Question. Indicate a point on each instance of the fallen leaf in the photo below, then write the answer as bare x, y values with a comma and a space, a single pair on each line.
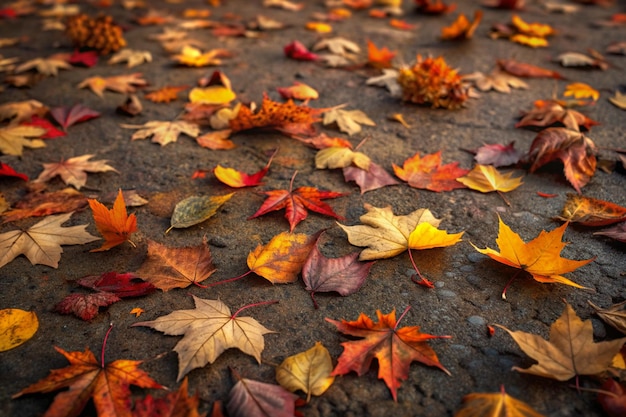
19, 111
130, 107
498, 155
69, 116
617, 48
168, 268
296, 202
575, 150
51, 130
85, 306
18, 327
504, 4
348, 121
298, 91
132, 57
462, 28
165, 94
615, 315
308, 371
434, 6
123, 84
570, 351
394, 348
497, 80
216, 140
107, 384
174, 404
389, 80
41, 243
540, 257
122, 285
115, 225
319, 27
612, 398
196, 209
14, 138
540, 30
589, 211
284, 4
163, 132
137, 311
322, 141
618, 100
296, 50
428, 173
49, 66
548, 112
249, 398
497, 404
344, 275
486, 178
374, 178
74, 170
212, 95
522, 69
39, 203
7, 171
617, 232
208, 331
379, 58
338, 46
237, 179
340, 157
576, 59
87, 58
581, 90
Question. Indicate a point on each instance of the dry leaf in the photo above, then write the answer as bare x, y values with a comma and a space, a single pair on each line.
18, 327
427, 173
13, 139
615, 315
618, 100
74, 170
308, 371
497, 404
348, 121
132, 57
47, 66
496, 80
163, 132
485, 178
591, 211
581, 90
39, 203
115, 225
374, 178
123, 84
165, 94
194, 57
340, 157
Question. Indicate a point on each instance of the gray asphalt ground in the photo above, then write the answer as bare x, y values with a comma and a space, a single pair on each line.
466, 297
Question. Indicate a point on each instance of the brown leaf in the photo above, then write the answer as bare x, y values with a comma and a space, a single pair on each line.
74, 170
615, 315
39, 203
85, 306
591, 211
123, 84
548, 112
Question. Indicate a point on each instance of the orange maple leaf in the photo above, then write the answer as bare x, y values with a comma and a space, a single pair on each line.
540, 257
427, 173
108, 385
114, 225
394, 348
462, 28
379, 58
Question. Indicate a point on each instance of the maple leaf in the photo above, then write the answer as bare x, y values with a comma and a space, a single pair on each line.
47, 66
540, 257
85, 306
163, 132
344, 275
340, 157
348, 121
174, 404
7, 171
497, 80
14, 138
379, 58
591, 211
122, 285
462, 28
498, 155
338, 46
39, 203
194, 57
74, 170
41, 243
51, 130
19, 326
428, 173
575, 150
394, 348
114, 225
308, 371
296, 202
570, 351
19, 111
165, 94
108, 385
522, 69
69, 116
168, 268
121, 83
374, 178
208, 331
549, 112
497, 404
485, 178
253, 398
581, 90
389, 80
132, 57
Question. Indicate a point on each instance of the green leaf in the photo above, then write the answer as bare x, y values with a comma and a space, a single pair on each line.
196, 209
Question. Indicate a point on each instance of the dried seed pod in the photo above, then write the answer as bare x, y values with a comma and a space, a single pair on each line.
101, 33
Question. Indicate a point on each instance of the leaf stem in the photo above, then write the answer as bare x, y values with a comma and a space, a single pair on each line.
227, 280
314, 300
423, 280
406, 310
506, 287
508, 203
293, 177
104, 344
252, 305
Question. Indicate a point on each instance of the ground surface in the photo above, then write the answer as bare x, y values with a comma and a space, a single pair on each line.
467, 289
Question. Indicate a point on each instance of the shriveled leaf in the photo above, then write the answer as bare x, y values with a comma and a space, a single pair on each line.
249, 398
344, 275
462, 28
115, 225
39, 203
168, 268
591, 211
296, 50
308, 371
374, 178
496, 404
209, 329
575, 150
196, 209
394, 348
615, 315
428, 173
132, 57
548, 112
14, 138
341, 157
282, 259
69, 116
618, 100
570, 351
540, 257
85, 306
348, 121
498, 155
163, 132
18, 327
74, 170
41, 243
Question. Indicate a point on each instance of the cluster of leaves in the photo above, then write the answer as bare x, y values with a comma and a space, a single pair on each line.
210, 328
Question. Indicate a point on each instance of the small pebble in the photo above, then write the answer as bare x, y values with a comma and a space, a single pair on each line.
467, 268
439, 284
477, 320
476, 257
474, 280
446, 293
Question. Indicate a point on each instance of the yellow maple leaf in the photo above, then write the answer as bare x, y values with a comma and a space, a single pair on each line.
485, 178
581, 90
495, 404
540, 257
194, 57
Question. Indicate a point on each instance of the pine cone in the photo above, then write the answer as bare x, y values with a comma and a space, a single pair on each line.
100, 33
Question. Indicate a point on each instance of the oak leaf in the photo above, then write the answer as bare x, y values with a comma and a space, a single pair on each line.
115, 225
208, 330
41, 243
39, 203
168, 268
497, 404
19, 326
165, 94
108, 385
74, 170
570, 351
132, 57
591, 211
427, 173
372, 179
124, 84
348, 121
174, 404
308, 371
49, 66
296, 202
14, 138
540, 257
575, 150
394, 348
69, 116
196, 209
250, 398
163, 132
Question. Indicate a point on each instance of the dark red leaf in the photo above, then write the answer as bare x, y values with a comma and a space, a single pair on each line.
85, 306
51, 130
122, 285
8, 171
68, 116
88, 58
296, 50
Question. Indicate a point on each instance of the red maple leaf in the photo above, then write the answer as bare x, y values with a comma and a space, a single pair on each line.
296, 202
68, 116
